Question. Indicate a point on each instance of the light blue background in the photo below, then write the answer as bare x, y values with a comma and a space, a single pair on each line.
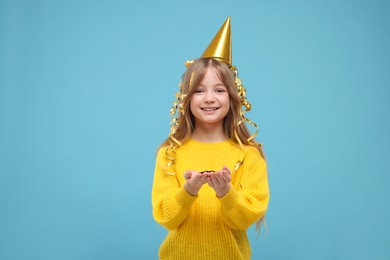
85, 92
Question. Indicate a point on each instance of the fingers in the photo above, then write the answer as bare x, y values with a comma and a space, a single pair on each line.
226, 174
187, 175
195, 178
219, 178
202, 178
225, 168
194, 181
214, 179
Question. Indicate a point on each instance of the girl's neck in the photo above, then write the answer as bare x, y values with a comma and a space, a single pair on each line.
208, 134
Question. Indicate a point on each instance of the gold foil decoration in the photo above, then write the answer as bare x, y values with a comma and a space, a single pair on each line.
188, 63
175, 111
245, 107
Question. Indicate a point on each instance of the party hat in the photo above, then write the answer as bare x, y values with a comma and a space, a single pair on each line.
220, 47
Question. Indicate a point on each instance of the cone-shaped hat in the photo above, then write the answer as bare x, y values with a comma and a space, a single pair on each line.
220, 47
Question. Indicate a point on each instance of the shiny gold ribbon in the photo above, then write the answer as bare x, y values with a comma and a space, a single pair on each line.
175, 111
246, 107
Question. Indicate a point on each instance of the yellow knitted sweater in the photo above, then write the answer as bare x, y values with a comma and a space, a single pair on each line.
205, 226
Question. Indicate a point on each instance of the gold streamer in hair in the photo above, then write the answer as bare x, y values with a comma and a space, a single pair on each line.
245, 107
176, 109
175, 112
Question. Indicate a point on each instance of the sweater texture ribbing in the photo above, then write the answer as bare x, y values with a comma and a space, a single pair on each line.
205, 226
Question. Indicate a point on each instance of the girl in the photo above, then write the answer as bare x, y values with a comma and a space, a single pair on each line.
210, 181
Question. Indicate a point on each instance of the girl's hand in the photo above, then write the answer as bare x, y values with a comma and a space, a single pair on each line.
195, 181
220, 181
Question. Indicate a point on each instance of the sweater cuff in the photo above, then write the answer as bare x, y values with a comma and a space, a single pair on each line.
184, 199
230, 199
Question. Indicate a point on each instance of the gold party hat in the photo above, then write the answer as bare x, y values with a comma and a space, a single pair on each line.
220, 47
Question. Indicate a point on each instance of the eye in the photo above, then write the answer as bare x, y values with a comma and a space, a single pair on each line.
199, 90
220, 90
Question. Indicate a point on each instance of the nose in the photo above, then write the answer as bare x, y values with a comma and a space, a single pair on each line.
209, 98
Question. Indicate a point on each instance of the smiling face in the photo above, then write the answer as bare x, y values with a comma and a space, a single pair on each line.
209, 103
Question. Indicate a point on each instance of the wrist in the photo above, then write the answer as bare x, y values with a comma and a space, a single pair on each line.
192, 190
223, 191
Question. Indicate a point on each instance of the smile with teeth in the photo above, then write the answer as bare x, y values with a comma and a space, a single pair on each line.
209, 108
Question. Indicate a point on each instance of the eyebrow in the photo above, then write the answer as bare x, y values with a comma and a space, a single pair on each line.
216, 85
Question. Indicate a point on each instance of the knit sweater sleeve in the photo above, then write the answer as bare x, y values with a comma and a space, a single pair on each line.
171, 202
248, 201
